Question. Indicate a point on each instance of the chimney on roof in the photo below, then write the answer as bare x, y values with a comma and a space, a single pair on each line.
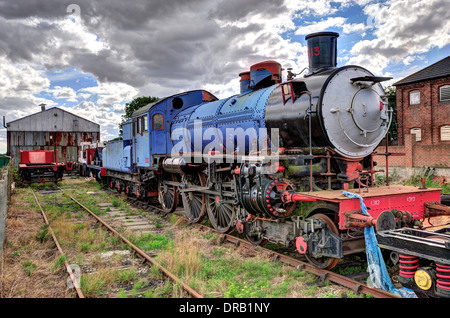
42, 107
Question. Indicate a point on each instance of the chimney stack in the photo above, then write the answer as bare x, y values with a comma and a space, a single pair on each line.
42, 107
322, 50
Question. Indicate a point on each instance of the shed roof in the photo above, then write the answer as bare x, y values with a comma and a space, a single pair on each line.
436, 70
53, 119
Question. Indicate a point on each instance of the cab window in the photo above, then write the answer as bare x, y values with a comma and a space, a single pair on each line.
158, 122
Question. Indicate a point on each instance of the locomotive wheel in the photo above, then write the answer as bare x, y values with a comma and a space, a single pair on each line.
221, 212
324, 262
256, 240
168, 195
194, 202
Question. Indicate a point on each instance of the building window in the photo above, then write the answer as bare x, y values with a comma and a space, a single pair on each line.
144, 123
158, 122
417, 132
444, 93
138, 125
445, 133
414, 97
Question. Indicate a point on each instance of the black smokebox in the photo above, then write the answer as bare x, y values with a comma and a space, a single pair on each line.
322, 50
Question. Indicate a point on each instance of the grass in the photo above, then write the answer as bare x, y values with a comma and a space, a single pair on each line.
127, 276
43, 233
416, 180
59, 262
29, 267
223, 272
150, 241
29, 254
94, 285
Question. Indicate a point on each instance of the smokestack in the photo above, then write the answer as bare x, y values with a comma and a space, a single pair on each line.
244, 82
42, 107
322, 50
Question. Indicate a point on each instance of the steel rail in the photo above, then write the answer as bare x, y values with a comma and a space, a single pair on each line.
347, 282
141, 253
66, 264
357, 287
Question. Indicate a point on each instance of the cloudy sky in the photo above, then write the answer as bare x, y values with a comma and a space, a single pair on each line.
90, 57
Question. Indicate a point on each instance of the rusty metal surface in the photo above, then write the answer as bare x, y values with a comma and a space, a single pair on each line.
50, 129
336, 196
66, 143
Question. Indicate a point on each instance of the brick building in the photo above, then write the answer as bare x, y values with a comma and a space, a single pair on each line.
423, 116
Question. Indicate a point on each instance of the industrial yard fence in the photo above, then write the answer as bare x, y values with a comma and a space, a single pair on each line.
5, 201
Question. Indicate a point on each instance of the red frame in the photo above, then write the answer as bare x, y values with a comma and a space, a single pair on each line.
153, 121
411, 200
36, 156
291, 86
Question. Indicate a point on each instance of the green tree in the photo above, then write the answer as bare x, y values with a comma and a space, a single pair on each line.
392, 104
134, 105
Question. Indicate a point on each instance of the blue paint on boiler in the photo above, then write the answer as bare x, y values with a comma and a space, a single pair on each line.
222, 118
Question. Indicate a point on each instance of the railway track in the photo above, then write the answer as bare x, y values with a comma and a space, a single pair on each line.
66, 264
352, 284
141, 253
348, 283
146, 258
355, 286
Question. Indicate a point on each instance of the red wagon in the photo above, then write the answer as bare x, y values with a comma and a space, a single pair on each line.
39, 166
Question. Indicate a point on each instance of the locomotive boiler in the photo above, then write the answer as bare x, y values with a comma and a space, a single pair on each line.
271, 162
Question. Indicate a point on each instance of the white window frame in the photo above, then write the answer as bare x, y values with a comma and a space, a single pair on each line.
447, 88
444, 135
416, 100
416, 131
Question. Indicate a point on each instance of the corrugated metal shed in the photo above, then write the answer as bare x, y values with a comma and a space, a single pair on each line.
51, 129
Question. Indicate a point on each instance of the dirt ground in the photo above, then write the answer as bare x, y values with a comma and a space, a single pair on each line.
27, 269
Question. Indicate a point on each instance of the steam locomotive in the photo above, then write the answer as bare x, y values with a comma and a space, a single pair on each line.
271, 162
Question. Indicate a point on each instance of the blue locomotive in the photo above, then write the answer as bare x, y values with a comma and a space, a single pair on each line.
240, 158
269, 161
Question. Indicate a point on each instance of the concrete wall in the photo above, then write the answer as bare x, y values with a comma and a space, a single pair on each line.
5, 201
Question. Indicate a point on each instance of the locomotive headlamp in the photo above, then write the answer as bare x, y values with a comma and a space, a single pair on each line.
423, 278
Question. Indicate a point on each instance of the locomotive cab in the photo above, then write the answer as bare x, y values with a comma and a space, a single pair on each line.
151, 139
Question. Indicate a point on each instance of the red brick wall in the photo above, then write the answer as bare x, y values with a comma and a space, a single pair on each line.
429, 115
417, 154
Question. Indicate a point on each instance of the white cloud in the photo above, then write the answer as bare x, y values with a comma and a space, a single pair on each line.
401, 29
159, 48
67, 93
111, 93
321, 25
20, 80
